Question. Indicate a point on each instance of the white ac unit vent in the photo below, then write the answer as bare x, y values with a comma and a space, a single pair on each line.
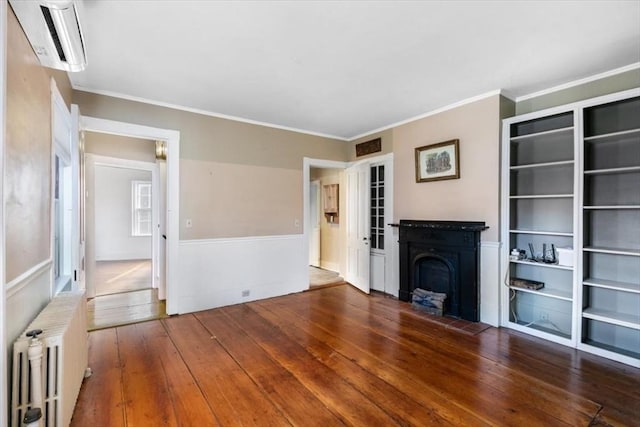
53, 29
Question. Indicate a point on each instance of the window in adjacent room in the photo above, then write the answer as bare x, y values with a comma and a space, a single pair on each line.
141, 208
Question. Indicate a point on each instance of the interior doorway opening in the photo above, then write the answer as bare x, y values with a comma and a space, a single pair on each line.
356, 220
122, 229
170, 171
124, 202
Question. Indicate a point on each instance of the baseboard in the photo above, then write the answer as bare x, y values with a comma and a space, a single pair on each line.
331, 266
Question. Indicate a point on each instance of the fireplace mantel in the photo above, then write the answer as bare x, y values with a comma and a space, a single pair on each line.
426, 246
444, 225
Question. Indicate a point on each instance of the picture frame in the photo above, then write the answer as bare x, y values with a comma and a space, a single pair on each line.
436, 162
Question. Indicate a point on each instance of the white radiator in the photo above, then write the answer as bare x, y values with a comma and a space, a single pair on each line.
64, 360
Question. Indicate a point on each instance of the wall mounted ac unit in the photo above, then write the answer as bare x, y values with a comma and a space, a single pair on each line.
53, 29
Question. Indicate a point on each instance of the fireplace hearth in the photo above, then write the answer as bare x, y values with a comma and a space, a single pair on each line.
444, 257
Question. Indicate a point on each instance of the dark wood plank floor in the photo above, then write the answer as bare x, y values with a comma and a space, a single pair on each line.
338, 357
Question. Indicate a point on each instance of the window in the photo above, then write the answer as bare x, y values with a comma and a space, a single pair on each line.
141, 208
63, 176
377, 207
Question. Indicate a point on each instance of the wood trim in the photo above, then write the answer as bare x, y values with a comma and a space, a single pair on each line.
172, 137
27, 277
432, 113
579, 82
203, 112
237, 239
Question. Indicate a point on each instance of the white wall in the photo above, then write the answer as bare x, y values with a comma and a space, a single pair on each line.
113, 240
219, 272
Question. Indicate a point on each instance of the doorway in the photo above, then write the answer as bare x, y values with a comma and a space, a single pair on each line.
358, 198
326, 228
168, 233
122, 229
123, 226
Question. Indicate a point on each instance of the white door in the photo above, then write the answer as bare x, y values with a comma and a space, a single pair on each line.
161, 272
314, 223
358, 249
382, 239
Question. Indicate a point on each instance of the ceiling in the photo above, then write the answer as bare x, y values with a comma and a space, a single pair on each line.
344, 69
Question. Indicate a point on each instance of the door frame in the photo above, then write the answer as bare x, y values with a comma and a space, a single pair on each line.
316, 183
307, 164
69, 174
172, 138
391, 274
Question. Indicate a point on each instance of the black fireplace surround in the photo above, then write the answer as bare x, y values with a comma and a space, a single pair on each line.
442, 256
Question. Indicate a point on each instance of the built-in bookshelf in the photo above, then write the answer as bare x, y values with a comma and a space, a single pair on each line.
540, 156
610, 315
570, 187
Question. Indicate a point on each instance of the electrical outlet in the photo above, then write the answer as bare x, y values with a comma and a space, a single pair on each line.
246, 293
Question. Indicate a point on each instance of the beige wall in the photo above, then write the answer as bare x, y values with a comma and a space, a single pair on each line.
236, 179
332, 235
27, 180
473, 197
27, 153
214, 139
231, 200
121, 147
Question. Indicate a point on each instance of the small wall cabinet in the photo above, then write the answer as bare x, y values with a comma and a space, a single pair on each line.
331, 202
570, 179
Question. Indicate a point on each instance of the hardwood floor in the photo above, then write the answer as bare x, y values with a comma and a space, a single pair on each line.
107, 311
113, 277
319, 277
335, 356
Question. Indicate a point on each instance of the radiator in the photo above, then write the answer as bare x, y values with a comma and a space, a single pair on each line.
64, 360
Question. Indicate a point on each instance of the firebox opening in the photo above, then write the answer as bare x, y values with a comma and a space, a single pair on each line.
435, 274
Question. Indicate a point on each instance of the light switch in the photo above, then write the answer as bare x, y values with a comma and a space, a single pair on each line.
188, 223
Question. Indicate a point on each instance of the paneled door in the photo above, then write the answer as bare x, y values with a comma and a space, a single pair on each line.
358, 220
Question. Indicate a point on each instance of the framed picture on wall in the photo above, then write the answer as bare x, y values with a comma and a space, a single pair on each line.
439, 161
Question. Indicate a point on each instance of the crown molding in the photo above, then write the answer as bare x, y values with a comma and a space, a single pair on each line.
431, 113
579, 82
204, 112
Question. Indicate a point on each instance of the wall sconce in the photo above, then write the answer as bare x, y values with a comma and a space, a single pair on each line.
161, 150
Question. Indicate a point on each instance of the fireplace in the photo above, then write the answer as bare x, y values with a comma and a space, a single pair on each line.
443, 257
